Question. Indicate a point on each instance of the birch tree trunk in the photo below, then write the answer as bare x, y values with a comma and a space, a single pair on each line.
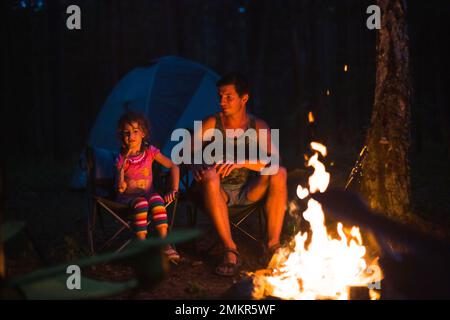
386, 181
2, 203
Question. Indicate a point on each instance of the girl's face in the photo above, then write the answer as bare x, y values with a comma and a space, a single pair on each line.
132, 135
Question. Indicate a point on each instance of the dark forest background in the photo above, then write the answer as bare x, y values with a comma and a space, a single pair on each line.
56, 80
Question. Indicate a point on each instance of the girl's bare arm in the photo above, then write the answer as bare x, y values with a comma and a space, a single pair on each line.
174, 175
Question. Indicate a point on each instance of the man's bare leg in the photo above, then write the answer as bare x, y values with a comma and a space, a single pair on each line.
215, 200
276, 189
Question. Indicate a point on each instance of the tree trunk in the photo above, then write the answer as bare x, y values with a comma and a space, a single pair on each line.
386, 182
2, 202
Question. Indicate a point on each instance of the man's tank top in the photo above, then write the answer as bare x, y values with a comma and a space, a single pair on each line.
241, 175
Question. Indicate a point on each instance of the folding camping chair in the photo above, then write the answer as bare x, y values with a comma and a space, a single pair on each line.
238, 216
100, 193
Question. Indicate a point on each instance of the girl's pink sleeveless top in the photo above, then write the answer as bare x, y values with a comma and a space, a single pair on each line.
138, 173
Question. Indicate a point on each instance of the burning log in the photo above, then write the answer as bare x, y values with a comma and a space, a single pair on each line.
244, 289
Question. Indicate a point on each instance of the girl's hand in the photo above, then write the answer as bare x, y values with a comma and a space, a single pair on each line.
122, 187
170, 196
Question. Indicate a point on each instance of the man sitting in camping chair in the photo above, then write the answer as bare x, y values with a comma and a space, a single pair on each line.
230, 183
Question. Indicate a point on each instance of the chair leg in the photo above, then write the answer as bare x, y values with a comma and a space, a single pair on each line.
101, 222
174, 211
244, 232
242, 217
106, 244
124, 245
90, 242
191, 216
262, 225
91, 227
191, 213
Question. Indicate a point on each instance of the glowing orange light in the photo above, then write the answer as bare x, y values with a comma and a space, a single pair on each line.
310, 117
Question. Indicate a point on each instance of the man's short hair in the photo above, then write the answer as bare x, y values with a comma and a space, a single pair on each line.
239, 80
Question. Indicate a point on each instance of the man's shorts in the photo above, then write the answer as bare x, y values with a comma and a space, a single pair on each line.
237, 194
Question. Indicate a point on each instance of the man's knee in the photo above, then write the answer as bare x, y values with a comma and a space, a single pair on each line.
210, 178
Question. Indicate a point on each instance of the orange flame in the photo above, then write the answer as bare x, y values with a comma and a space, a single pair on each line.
310, 117
327, 267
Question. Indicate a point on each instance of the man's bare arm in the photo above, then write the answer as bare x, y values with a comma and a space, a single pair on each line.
197, 169
264, 144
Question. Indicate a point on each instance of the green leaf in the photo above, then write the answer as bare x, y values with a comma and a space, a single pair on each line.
144, 256
9, 229
55, 288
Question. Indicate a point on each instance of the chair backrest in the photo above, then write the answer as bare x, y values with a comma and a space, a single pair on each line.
100, 171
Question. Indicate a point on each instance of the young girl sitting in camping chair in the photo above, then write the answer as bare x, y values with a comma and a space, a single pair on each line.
134, 184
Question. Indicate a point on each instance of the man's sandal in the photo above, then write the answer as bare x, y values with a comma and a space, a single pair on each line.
229, 269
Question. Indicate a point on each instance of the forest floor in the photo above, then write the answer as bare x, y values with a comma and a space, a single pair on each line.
38, 194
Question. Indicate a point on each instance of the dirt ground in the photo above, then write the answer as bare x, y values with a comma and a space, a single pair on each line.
192, 278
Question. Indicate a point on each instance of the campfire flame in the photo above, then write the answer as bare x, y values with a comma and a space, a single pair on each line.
316, 266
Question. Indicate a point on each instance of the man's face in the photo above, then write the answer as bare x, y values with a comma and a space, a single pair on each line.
230, 102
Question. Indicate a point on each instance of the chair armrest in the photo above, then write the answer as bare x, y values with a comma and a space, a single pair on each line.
104, 183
